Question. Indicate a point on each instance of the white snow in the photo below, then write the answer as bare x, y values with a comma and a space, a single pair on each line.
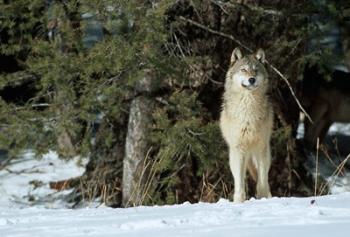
335, 128
342, 128
48, 217
17, 180
328, 216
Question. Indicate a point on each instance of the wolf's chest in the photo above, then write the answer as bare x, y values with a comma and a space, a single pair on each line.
248, 122
244, 122
247, 130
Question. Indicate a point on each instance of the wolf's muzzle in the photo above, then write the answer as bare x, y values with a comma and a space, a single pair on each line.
250, 84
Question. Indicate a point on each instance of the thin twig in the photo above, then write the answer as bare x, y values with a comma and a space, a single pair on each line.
199, 25
290, 89
246, 6
251, 7
325, 152
212, 188
179, 46
220, 5
317, 149
216, 82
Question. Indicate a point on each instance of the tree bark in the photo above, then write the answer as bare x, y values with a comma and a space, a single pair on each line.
136, 145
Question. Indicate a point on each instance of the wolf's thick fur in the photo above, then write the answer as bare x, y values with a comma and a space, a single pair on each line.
246, 122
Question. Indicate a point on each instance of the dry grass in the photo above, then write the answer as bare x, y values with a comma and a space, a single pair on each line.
336, 173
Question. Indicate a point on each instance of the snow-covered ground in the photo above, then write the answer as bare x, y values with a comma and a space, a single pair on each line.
25, 181
29, 208
336, 128
327, 216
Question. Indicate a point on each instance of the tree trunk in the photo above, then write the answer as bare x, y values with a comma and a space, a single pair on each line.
136, 148
136, 144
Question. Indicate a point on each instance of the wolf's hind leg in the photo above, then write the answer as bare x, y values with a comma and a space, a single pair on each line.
251, 167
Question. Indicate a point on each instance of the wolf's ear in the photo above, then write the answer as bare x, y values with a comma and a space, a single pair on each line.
260, 55
236, 55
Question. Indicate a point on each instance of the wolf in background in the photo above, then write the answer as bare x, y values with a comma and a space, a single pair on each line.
325, 101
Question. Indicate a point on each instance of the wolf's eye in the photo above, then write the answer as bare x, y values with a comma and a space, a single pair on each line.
243, 70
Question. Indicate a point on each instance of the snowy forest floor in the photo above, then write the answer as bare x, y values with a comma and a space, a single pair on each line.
29, 208
327, 216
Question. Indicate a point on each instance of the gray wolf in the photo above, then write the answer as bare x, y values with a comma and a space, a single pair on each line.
325, 101
246, 122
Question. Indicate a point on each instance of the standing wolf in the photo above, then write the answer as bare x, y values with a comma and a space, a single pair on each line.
246, 122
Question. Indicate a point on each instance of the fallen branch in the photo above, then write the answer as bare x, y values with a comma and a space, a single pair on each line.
199, 25
65, 184
5, 162
24, 171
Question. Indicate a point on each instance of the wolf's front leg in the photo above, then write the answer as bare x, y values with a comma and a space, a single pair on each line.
263, 163
238, 169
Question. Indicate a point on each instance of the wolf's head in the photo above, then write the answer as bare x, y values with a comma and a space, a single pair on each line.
247, 72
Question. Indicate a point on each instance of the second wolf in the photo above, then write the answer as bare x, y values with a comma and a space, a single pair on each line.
326, 102
246, 122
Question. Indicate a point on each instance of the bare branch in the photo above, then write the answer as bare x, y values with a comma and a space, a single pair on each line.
250, 7
291, 90
199, 25
6, 162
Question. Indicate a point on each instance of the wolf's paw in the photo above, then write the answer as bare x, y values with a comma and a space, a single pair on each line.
239, 197
263, 194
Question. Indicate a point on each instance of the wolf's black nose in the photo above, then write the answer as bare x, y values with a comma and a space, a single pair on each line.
252, 80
